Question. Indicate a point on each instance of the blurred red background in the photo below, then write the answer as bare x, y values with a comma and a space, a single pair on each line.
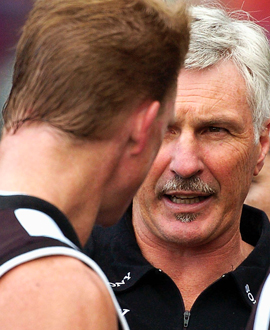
259, 9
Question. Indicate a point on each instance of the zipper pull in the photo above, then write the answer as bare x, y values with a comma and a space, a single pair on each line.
186, 318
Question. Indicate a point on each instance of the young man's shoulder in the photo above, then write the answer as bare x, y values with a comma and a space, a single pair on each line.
55, 293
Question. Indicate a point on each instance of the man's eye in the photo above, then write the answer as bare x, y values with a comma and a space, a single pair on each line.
215, 129
171, 130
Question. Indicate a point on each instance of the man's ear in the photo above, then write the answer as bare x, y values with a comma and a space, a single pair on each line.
144, 117
264, 144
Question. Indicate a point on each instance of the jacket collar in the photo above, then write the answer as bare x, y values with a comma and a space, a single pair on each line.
128, 266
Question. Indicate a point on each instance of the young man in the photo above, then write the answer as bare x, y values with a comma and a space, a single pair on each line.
93, 92
188, 255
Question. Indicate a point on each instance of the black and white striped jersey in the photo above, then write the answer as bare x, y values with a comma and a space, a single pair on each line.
32, 228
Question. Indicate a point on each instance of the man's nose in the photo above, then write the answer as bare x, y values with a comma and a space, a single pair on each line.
186, 160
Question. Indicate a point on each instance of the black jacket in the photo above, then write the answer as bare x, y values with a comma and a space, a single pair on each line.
151, 301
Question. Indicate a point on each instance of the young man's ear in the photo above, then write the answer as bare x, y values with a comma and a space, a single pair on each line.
143, 118
264, 144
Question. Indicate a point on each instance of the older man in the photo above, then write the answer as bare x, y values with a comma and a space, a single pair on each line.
258, 195
83, 123
188, 255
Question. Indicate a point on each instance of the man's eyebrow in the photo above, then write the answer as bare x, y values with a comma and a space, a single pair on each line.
222, 121
173, 122
219, 120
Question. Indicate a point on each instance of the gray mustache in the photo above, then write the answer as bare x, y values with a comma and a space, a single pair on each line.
194, 184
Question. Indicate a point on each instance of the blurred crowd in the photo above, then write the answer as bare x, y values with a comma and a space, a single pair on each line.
12, 16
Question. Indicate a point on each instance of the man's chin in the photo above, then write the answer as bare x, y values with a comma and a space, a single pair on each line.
186, 217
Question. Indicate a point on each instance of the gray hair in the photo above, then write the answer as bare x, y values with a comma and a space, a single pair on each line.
217, 35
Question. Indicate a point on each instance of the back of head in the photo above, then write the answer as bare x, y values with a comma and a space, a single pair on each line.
217, 35
80, 63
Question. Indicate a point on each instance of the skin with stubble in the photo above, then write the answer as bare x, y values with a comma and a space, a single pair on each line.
188, 210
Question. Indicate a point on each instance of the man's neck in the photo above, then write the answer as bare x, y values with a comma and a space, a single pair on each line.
67, 174
193, 269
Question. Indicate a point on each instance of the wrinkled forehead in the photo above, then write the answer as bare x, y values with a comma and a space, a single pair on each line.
211, 92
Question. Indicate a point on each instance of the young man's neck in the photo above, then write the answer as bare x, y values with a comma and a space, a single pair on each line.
70, 175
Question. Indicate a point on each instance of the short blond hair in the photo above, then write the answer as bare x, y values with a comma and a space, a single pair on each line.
81, 62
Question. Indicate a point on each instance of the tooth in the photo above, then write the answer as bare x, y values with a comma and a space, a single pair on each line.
185, 197
185, 200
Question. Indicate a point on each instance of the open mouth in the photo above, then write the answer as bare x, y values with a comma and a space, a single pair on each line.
181, 199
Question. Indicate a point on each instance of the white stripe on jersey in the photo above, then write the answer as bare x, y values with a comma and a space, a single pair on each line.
37, 223
65, 251
262, 316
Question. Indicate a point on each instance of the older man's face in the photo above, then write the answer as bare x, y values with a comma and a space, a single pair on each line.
258, 195
194, 192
